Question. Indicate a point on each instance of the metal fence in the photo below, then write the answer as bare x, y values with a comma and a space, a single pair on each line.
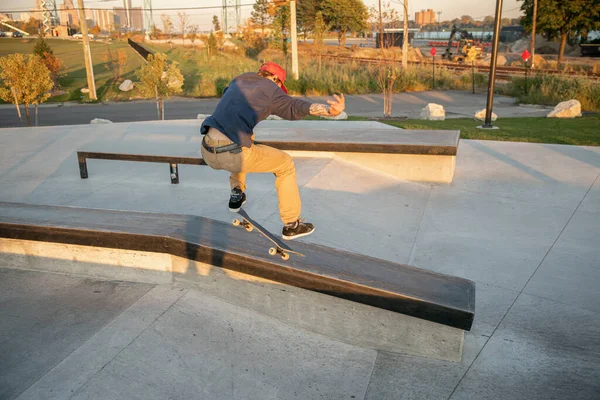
141, 50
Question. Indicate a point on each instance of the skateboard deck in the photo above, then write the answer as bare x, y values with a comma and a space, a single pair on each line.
280, 248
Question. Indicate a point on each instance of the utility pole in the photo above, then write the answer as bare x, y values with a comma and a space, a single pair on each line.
533, 33
380, 29
405, 37
87, 55
294, 33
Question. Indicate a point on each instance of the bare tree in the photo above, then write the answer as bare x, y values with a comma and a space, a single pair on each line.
193, 29
184, 19
167, 24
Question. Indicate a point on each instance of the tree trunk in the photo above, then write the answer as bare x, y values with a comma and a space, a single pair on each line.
27, 114
18, 108
342, 38
561, 50
36, 115
162, 109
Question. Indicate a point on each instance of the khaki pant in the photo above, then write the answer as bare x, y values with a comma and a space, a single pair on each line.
256, 159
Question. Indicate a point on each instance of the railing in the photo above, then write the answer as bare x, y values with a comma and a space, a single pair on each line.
141, 50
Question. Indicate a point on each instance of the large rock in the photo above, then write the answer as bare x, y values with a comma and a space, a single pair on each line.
480, 115
85, 90
433, 112
343, 115
126, 86
274, 117
566, 109
100, 121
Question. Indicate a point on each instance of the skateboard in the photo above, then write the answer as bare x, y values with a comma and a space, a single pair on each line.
280, 248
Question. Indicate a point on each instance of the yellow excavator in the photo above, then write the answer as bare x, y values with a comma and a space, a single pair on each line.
466, 48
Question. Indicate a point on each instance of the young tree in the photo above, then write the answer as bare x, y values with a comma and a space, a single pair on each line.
184, 19
281, 25
193, 33
41, 47
96, 30
319, 29
345, 16
216, 24
558, 18
27, 81
212, 44
260, 15
167, 24
160, 79
45, 52
115, 62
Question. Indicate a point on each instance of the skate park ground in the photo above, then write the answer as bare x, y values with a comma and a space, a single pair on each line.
521, 220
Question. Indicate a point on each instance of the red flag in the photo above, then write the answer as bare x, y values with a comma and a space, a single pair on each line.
433, 51
525, 55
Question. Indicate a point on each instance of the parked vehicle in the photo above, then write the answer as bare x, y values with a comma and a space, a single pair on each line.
17, 34
2, 34
80, 36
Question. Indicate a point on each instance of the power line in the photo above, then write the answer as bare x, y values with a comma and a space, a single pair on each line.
143, 9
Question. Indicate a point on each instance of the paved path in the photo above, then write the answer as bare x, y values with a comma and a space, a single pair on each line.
521, 220
457, 104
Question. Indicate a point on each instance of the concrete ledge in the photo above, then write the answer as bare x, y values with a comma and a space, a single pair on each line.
409, 167
353, 323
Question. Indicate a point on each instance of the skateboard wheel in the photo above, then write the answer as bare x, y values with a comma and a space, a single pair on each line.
249, 228
285, 256
272, 251
236, 222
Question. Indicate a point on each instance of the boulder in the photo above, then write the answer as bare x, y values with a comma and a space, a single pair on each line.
126, 86
100, 121
275, 117
85, 90
566, 109
480, 115
433, 112
343, 115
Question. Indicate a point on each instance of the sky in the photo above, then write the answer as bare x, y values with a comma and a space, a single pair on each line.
203, 17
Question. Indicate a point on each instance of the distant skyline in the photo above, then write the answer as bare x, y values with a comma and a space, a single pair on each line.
203, 18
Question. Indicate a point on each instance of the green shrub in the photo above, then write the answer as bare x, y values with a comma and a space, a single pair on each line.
552, 89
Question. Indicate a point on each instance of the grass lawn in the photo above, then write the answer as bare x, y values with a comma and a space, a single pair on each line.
73, 77
584, 131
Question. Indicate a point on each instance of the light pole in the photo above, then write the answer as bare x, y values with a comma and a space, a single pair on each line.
492, 78
405, 37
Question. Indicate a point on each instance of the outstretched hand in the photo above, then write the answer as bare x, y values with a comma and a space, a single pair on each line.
337, 105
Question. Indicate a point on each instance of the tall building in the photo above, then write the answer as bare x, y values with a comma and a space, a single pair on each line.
135, 14
425, 17
104, 19
69, 15
137, 18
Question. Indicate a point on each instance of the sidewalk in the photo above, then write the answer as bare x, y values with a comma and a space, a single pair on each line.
457, 105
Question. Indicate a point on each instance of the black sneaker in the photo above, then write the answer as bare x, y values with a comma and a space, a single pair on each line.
297, 229
236, 200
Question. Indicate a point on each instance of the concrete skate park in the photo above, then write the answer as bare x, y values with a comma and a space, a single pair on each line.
440, 268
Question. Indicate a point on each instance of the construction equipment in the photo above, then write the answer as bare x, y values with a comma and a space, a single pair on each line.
466, 48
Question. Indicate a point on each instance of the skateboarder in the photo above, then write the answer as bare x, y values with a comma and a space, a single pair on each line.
228, 139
